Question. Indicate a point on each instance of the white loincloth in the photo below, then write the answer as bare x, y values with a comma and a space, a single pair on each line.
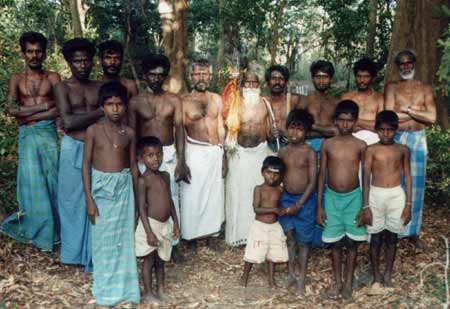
168, 165
202, 201
370, 138
244, 173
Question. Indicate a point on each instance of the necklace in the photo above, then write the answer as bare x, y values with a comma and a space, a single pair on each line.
121, 131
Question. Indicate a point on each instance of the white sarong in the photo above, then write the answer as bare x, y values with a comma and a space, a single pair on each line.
168, 165
370, 138
202, 201
244, 173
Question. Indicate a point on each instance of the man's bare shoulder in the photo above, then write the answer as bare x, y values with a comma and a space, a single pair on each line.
90, 131
296, 98
359, 142
53, 76
215, 97
349, 95
390, 86
137, 99
166, 176
130, 131
62, 85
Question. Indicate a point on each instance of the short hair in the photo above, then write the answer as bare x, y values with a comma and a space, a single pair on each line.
366, 64
32, 37
148, 141
277, 67
78, 44
300, 117
152, 61
347, 107
387, 117
202, 62
408, 52
112, 89
110, 45
275, 162
323, 66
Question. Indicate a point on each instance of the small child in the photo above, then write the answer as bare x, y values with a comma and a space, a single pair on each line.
109, 156
266, 240
298, 198
385, 212
340, 159
155, 231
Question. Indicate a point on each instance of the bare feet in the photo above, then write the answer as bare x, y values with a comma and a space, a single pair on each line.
150, 298
388, 280
347, 293
163, 297
377, 278
301, 288
376, 289
272, 284
243, 282
420, 246
334, 292
291, 280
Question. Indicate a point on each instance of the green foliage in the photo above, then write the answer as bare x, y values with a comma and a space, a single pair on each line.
438, 166
444, 68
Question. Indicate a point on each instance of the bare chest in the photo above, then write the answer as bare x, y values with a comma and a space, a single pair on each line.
83, 98
151, 108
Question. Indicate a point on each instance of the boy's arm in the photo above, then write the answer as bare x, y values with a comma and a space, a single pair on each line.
321, 217
91, 207
182, 171
366, 215
257, 204
151, 238
406, 214
134, 170
173, 212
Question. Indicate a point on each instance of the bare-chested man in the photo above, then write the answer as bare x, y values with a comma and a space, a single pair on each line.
245, 160
202, 201
370, 102
320, 104
31, 101
414, 104
78, 106
160, 114
111, 56
280, 102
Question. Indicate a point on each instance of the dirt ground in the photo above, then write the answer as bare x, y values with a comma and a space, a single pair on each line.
32, 279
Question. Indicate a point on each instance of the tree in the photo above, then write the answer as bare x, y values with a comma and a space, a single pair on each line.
78, 9
418, 25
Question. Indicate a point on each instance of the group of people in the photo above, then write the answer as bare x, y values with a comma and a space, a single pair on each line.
182, 165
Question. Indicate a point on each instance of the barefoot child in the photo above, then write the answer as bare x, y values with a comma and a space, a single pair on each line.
109, 162
341, 197
385, 212
266, 240
298, 198
155, 231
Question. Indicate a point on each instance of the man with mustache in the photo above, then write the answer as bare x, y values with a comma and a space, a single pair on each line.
320, 104
111, 57
77, 101
31, 101
245, 160
202, 200
414, 104
370, 102
280, 103
159, 113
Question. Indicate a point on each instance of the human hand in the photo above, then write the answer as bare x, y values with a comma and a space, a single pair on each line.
406, 215
182, 172
224, 167
92, 211
176, 232
275, 132
321, 217
152, 240
364, 217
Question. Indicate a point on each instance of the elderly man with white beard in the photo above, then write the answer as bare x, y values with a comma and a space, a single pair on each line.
414, 104
245, 159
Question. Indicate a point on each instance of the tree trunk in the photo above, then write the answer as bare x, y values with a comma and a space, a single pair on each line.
76, 22
417, 26
372, 28
276, 31
221, 50
173, 18
128, 33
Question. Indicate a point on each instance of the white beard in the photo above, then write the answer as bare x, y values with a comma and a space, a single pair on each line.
251, 96
408, 76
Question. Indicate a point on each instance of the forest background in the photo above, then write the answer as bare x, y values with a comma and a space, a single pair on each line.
290, 32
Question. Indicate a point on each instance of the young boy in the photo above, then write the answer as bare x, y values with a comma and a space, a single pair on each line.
155, 231
266, 240
298, 198
340, 159
109, 162
385, 211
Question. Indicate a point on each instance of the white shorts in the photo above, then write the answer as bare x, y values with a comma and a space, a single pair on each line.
266, 242
387, 205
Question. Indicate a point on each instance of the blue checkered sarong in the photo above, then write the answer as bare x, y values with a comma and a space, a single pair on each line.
36, 222
115, 268
417, 144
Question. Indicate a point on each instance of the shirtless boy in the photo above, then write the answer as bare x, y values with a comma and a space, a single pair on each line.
385, 212
109, 166
155, 231
266, 240
341, 198
298, 198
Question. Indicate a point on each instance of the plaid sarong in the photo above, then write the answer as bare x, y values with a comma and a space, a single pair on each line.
75, 226
36, 222
417, 144
115, 268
